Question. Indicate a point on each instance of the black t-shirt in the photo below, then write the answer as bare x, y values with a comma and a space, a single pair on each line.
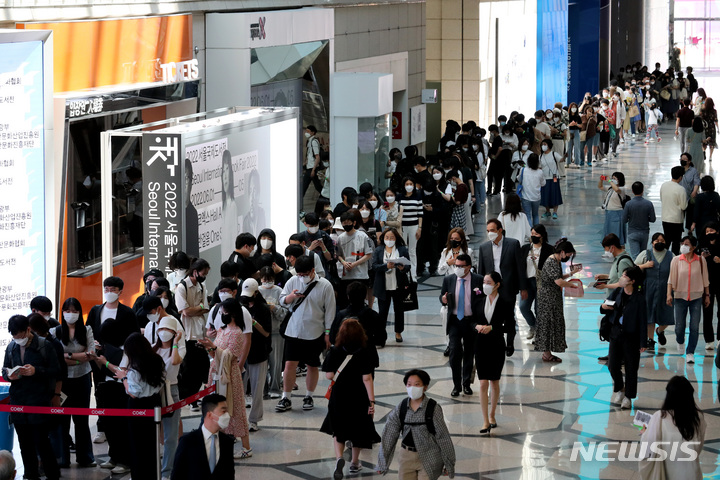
246, 267
423, 177
340, 208
686, 116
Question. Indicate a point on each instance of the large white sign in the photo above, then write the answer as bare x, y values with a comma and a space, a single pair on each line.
22, 180
418, 124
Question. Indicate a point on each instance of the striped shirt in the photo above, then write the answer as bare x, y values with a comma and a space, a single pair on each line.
412, 209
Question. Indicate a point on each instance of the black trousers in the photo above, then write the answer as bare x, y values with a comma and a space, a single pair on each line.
194, 369
429, 246
708, 332
142, 432
112, 395
34, 441
384, 309
307, 179
625, 348
462, 349
673, 233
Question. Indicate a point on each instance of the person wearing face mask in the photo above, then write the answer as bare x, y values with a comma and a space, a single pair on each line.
710, 250
550, 328
520, 157
354, 250
706, 208
514, 220
78, 347
43, 306
271, 293
618, 108
370, 225
532, 180
615, 199
156, 314
436, 226
457, 244
257, 359
228, 271
411, 213
674, 201
588, 131
421, 173
349, 199
550, 194
266, 244
190, 297
458, 195
390, 278
227, 288
535, 254
208, 451
312, 163
655, 261
638, 214
688, 290
558, 134
170, 345
621, 260
179, 263
460, 293
607, 131
691, 183
654, 116
628, 318
426, 448
495, 318
349, 365
31, 385
229, 352
148, 279
392, 210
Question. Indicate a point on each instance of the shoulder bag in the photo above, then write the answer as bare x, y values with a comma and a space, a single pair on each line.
409, 299
337, 374
519, 188
286, 320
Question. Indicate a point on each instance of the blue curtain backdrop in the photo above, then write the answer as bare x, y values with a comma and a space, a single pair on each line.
583, 45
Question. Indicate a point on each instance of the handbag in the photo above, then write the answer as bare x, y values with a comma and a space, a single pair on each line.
519, 188
583, 135
286, 320
337, 374
576, 291
665, 95
409, 300
634, 111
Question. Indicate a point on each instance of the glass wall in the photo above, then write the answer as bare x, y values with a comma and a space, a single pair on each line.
697, 33
373, 149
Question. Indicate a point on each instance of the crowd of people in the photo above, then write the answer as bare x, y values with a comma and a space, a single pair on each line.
275, 317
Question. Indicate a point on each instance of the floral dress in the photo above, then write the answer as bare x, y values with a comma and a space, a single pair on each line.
550, 333
232, 338
709, 120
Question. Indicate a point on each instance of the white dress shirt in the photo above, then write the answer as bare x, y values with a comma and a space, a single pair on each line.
497, 251
490, 307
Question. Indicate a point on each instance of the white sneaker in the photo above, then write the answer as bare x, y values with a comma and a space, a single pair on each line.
100, 437
531, 334
626, 403
709, 346
617, 397
681, 348
690, 358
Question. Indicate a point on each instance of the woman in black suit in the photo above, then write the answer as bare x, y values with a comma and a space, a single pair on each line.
493, 321
628, 334
535, 253
390, 278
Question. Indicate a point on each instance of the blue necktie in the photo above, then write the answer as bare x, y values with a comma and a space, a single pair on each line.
212, 454
461, 300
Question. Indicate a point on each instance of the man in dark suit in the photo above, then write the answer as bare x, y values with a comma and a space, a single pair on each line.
207, 453
503, 255
461, 293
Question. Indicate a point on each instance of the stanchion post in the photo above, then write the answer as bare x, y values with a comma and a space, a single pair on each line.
158, 419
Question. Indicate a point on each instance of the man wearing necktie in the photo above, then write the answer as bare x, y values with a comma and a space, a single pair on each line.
461, 293
207, 452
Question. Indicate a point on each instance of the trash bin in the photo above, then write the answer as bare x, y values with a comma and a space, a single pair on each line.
7, 432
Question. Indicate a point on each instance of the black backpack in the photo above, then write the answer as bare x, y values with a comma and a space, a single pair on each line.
429, 411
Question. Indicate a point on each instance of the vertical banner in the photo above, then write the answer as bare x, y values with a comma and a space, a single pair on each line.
583, 49
552, 53
397, 126
22, 179
165, 180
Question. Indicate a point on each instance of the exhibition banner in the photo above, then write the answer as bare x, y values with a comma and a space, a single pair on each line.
22, 179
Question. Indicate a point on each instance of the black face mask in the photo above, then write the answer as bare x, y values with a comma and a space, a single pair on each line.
660, 246
711, 236
683, 163
536, 240
348, 227
200, 278
455, 243
565, 260
225, 319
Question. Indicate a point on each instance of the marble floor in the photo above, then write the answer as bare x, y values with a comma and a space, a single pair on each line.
544, 408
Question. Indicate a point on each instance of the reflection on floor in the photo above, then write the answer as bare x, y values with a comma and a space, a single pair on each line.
544, 407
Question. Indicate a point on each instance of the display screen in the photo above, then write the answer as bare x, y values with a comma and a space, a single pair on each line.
22, 180
552, 56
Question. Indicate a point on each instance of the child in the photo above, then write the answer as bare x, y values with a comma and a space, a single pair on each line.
654, 117
423, 420
271, 294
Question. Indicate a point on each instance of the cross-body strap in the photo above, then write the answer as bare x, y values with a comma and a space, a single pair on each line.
305, 295
342, 367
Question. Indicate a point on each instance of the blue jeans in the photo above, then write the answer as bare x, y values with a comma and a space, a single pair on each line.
171, 427
480, 194
681, 309
637, 241
526, 306
573, 147
532, 211
581, 153
613, 224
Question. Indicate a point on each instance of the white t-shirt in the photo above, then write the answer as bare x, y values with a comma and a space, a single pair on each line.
151, 334
352, 248
171, 371
108, 313
215, 321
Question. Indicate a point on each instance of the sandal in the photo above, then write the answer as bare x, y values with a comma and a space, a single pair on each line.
552, 359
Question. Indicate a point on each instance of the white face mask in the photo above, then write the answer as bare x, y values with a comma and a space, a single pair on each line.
165, 336
437, 176
492, 236
390, 199
684, 249
306, 279
416, 170
624, 281
224, 296
409, 188
373, 203
415, 393
313, 230
307, 135
574, 110
223, 421
476, 148
181, 272
524, 148
47, 317
487, 289
549, 116
613, 181
110, 297
608, 254
365, 213
544, 148
390, 243
153, 317
266, 243
71, 317
165, 302
460, 271
326, 164
267, 285
355, 205
21, 341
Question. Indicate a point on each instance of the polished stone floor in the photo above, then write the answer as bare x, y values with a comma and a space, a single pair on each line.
544, 408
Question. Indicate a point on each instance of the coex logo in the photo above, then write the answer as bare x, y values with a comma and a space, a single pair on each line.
257, 30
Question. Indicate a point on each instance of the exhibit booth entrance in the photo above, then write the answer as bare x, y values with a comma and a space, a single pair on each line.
206, 178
